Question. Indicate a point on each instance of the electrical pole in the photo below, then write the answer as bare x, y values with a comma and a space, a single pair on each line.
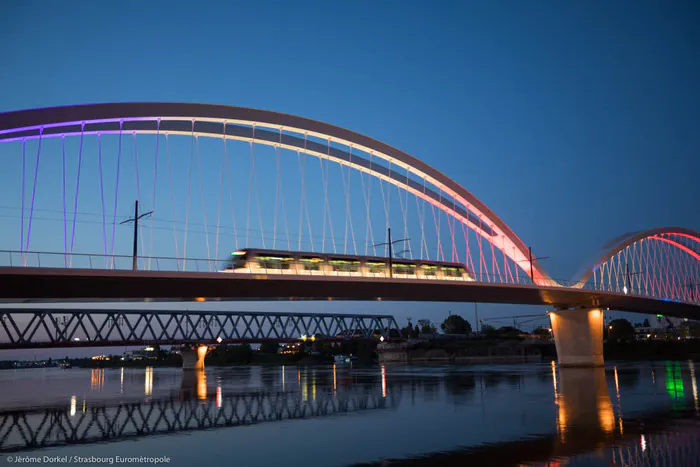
390, 243
531, 260
391, 268
476, 317
135, 220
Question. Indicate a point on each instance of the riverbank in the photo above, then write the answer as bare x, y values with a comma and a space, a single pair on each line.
464, 351
460, 351
685, 349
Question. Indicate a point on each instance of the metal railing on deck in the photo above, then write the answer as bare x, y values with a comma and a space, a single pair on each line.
43, 259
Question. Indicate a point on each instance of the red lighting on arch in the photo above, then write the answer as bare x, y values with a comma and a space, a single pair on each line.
680, 246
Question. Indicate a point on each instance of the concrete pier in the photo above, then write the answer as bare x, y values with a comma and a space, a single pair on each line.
578, 336
194, 359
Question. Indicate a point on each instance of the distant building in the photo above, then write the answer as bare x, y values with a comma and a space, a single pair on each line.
140, 354
290, 349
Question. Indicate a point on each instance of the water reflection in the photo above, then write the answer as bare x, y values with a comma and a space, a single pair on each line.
201, 385
460, 387
588, 421
694, 383
97, 379
73, 403
478, 415
674, 380
383, 380
584, 407
192, 410
194, 385
148, 381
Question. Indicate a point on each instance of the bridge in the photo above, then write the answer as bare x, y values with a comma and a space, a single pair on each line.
51, 327
47, 328
309, 205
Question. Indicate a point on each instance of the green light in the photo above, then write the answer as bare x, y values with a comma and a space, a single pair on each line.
674, 381
659, 316
237, 253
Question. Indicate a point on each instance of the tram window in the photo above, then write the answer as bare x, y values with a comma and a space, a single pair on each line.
376, 268
311, 264
238, 260
429, 270
452, 272
272, 262
404, 268
345, 266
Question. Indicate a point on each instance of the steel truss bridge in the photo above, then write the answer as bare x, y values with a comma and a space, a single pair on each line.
217, 178
32, 328
31, 429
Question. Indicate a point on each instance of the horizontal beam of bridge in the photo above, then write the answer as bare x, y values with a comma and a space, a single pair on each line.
26, 285
57, 327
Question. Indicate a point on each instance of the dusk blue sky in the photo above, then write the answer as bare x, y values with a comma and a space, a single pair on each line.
574, 121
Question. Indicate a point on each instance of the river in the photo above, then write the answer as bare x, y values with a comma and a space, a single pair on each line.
505, 415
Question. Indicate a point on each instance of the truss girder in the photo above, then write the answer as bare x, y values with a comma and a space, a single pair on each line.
61, 328
662, 263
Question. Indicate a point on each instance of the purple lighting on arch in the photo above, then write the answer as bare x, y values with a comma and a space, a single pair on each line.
36, 174
116, 191
65, 220
77, 189
78, 122
102, 194
21, 239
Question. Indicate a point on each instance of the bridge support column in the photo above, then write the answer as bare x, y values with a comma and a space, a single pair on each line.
578, 336
194, 359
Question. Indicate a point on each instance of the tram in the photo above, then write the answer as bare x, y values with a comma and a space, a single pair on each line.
260, 261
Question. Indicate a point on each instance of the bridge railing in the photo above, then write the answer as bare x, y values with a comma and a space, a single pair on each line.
42, 259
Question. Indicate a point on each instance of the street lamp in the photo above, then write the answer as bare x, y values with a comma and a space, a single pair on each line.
390, 244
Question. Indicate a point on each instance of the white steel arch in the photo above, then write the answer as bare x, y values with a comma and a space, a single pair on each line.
277, 129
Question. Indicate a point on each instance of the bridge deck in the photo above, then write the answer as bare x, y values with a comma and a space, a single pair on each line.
26, 285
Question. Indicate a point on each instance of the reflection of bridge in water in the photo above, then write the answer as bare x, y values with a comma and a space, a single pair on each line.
587, 420
192, 409
589, 425
650, 441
